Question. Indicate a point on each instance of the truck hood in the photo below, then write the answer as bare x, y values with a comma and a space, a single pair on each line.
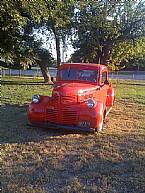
71, 89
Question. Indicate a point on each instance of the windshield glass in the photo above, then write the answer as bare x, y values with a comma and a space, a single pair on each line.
79, 74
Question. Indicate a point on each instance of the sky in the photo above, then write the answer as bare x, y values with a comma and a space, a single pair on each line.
50, 45
65, 54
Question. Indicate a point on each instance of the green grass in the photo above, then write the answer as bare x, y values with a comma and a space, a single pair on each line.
130, 91
43, 160
17, 90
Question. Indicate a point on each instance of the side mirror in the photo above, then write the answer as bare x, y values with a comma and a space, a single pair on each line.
53, 79
106, 82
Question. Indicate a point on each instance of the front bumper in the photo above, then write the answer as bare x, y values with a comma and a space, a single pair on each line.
59, 127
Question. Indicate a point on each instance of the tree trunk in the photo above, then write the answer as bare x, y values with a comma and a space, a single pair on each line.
58, 50
103, 56
45, 74
57, 43
106, 55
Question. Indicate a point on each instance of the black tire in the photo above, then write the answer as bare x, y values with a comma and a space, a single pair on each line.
100, 127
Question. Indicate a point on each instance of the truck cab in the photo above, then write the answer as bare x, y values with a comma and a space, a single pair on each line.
81, 99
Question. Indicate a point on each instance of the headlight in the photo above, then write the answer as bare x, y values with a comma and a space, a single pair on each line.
35, 99
90, 103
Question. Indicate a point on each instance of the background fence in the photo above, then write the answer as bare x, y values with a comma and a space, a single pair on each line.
36, 72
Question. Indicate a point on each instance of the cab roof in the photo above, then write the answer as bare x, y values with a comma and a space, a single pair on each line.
92, 65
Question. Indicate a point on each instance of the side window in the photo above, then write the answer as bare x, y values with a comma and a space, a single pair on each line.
104, 77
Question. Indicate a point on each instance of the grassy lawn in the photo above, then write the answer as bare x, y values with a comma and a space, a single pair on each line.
19, 91
47, 161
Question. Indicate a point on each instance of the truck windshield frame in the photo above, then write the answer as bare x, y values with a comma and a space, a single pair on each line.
76, 74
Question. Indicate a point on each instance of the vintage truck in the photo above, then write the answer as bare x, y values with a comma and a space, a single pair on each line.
81, 99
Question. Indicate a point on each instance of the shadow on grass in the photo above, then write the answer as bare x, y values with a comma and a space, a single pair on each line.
77, 173
23, 82
14, 127
106, 163
133, 84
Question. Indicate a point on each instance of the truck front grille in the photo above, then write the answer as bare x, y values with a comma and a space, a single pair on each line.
69, 116
68, 99
51, 115
54, 101
61, 113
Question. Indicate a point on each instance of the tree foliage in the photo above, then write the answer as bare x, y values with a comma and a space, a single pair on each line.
108, 31
17, 19
17, 23
59, 22
20, 18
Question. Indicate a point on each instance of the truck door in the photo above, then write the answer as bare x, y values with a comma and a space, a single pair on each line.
103, 86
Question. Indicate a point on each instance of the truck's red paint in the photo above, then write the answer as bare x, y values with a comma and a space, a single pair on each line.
74, 92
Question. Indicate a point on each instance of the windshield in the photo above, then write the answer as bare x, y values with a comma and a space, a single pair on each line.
79, 74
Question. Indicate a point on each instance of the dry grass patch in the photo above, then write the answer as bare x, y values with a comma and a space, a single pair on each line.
44, 160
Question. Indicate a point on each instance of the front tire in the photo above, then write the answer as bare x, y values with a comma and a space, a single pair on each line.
100, 127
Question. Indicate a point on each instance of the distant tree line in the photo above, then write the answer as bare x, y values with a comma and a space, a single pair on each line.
110, 32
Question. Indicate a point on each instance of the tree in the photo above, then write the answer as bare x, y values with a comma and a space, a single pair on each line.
43, 59
103, 27
20, 18
59, 22
17, 22
137, 59
125, 52
17, 18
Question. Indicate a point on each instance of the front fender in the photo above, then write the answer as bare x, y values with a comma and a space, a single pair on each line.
92, 115
110, 97
36, 112
100, 108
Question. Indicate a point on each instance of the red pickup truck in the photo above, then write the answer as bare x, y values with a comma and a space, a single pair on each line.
81, 99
